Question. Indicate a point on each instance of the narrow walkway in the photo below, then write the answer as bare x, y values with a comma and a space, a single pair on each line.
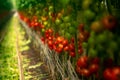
8, 58
19, 58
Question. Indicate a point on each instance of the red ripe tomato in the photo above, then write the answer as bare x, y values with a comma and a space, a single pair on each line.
109, 22
42, 26
55, 42
86, 35
93, 68
66, 48
51, 47
82, 62
95, 60
65, 42
71, 47
80, 51
108, 74
59, 50
50, 43
81, 37
59, 39
72, 40
79, 45
50, 31
36, 24
85, 72
32, 24
25, 19
43, 39
54, 47
46, 32
60, 46
34, 18
81, 27
50, 37
72, 54
46, 36
116, 72
78, 70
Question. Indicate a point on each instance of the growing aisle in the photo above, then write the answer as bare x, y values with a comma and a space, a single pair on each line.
19, 58
8, 57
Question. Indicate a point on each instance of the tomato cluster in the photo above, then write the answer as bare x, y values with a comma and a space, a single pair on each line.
54, 40
33, 22
112, 73
83, 34
87, 66
59, 43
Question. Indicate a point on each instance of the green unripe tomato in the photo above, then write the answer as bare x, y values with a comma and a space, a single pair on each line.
62, 25
43, 30
72, 29
62, 32
86, 4
113, 45
89, 15
64, 2
45, 23
100, 47
66, 18
68, 24
84, 44
68, 35
91, 41
92, 52
57, 21
51, 8
101, 38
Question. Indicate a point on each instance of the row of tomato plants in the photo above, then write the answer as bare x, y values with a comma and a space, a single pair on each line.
62, 45
92, 45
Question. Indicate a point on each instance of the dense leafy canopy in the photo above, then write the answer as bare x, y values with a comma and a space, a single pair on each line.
5, 5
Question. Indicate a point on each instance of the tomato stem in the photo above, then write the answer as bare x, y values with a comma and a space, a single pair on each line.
108, 6
82, 78
94, 77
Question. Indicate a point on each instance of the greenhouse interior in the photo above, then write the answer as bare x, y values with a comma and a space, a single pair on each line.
59, 40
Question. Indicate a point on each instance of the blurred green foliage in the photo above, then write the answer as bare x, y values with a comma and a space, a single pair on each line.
5, 5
